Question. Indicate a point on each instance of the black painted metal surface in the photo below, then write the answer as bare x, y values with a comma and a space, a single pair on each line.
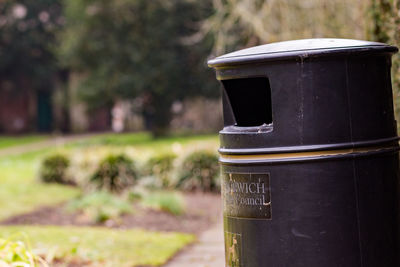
309, 155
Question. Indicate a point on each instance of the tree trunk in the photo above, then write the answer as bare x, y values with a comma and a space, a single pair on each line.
386, 28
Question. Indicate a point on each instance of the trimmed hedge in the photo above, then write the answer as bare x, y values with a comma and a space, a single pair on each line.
115, 173
54, 169
161, 167
199, 171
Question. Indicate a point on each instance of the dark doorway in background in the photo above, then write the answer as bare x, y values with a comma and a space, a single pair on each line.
44, 111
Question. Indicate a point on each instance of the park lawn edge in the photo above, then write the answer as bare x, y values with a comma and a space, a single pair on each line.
14, 141
108, 247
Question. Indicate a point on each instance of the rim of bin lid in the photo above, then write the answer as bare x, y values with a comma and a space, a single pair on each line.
298, 49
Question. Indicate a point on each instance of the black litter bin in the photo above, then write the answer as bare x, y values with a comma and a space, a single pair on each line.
309, 155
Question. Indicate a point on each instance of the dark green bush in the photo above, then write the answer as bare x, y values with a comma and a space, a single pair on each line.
199, 171
160, 166
115, 173
54, 169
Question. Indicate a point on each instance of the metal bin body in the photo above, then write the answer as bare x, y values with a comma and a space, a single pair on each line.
309, 155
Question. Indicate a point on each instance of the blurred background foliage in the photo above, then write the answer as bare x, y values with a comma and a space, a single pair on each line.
79, 59
129, 49
27, 39
385, 28
252, 22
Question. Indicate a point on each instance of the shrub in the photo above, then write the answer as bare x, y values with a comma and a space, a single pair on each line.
54, 170
100, 206
160, 166
115, 173
17, 253
199, 171
167, 201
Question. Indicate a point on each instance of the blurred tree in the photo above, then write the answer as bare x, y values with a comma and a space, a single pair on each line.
138, 48
386, 28
27, 36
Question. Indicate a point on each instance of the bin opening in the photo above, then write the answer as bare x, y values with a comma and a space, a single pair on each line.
250, 100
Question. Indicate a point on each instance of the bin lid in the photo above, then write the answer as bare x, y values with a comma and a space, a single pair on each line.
299, 49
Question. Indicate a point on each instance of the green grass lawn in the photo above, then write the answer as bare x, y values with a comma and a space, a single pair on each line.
9, 141
21, 192
107, 247
141, 140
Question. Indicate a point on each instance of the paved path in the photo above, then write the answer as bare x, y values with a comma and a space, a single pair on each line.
207, 252
55, 141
